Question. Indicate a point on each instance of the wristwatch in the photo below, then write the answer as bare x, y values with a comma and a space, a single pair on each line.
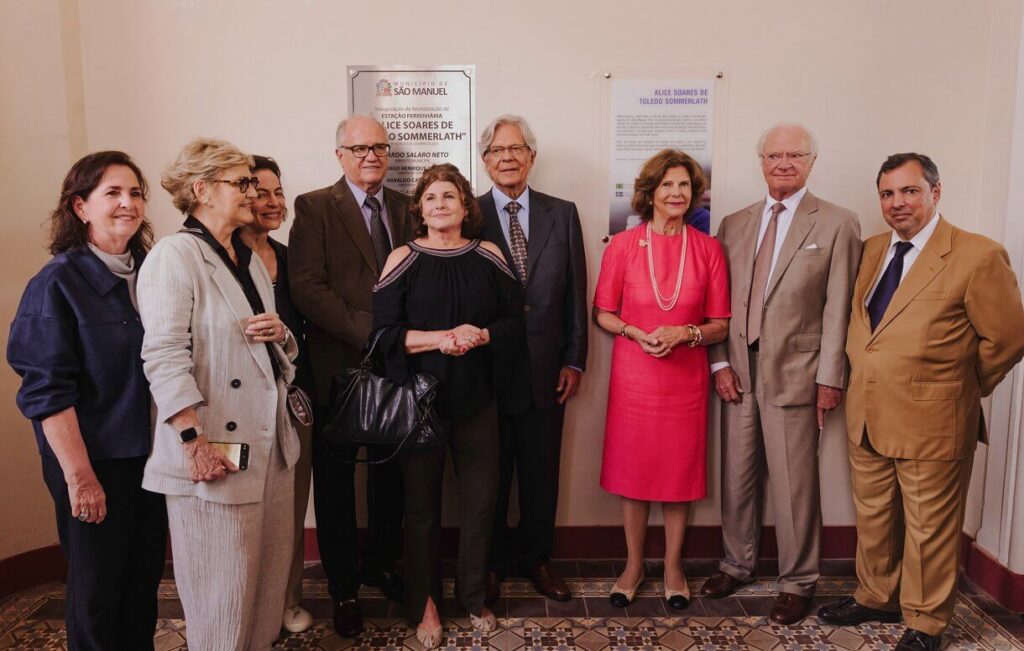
189, 434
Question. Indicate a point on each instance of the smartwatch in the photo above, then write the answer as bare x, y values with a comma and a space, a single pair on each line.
188, 434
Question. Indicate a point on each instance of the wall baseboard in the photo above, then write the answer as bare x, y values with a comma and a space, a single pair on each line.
32, 568
609, 542
1002, 584
838, 542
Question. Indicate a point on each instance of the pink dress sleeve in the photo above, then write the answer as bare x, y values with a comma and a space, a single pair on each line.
608, 295
716, 294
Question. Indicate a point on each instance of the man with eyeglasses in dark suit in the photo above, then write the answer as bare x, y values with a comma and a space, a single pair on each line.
337, 246
542, 240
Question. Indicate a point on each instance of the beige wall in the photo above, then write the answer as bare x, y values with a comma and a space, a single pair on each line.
869, 77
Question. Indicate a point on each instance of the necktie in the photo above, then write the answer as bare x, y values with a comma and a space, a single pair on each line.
887, 284
762, 267
378, 234
518, 240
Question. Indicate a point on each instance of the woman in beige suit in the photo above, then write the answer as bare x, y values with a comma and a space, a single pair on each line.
218, 359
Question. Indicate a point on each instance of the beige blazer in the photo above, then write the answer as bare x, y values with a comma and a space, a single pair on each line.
954, 328
195, 353
806, 308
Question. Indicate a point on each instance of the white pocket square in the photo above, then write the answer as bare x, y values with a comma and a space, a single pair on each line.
811, 246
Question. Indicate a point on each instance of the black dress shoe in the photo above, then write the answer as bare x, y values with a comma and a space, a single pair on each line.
913, 640
719, 585
847, 612
348, 620
494, 580
389, 581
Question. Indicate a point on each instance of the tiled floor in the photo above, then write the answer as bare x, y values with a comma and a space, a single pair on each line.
33, 619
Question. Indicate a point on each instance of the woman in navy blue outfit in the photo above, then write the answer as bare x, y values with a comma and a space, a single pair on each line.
76, 342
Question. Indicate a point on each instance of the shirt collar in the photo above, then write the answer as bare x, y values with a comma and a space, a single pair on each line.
922, 237
242, 252
790, 202
501, 199
361, 194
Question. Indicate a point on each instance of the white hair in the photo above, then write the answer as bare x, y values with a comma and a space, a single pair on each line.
812, 142
339, 133
487, 137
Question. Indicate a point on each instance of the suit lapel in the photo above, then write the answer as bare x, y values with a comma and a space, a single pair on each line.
491, 230
351, 216
746, 249
801, 225
396, 218
928, 265
232, 292
540, 230
872, 260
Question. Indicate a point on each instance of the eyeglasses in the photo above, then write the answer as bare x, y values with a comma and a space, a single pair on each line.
380, 150
515, 150
242, 184
776, 158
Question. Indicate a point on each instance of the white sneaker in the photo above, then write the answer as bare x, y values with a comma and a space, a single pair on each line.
296, 619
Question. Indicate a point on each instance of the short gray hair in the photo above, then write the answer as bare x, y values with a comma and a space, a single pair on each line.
201, 159
487, 137
339, 133
812, 142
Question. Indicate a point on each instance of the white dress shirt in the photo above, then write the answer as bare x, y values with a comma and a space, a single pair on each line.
917, 245
501, 200
781, 230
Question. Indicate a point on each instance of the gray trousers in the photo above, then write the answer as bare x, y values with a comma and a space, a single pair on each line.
758, 436
231, 564
303, 476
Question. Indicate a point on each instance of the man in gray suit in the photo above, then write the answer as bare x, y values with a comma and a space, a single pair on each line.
541, 238
337, 246
793, 259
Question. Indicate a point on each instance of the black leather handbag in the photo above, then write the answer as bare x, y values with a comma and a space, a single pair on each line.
368, 409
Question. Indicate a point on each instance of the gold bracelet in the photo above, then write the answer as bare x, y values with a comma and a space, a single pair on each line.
622, 331
696, 336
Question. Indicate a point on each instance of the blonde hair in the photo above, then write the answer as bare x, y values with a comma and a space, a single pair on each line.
201, 159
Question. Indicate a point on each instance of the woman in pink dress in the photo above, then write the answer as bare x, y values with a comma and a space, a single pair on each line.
664, 292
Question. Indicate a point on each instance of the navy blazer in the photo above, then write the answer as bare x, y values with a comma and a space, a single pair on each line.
76, 341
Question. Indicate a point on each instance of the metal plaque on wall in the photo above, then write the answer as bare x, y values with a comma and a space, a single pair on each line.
429, 113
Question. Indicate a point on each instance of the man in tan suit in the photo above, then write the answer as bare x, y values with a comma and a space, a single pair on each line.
937, 322
341, 237
792, 260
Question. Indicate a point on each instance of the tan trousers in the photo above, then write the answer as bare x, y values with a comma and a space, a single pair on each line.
909, 517
231, 563
758, 436
303, 476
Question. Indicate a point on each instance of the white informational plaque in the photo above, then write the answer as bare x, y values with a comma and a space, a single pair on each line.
648, 115
429, 113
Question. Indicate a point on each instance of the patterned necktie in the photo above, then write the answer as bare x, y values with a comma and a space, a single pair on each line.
378, 234
518, 240
887, 284
762, 267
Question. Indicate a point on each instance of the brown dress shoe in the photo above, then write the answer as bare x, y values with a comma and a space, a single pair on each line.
547, 583
790, 608
719, 585
493, 588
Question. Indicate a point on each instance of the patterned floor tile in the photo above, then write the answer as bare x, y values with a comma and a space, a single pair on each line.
33, 620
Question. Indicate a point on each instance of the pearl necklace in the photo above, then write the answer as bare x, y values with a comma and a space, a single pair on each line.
662, 303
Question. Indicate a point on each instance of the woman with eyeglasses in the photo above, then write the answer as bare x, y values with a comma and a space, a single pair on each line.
270, 212
218, 359
76, 342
